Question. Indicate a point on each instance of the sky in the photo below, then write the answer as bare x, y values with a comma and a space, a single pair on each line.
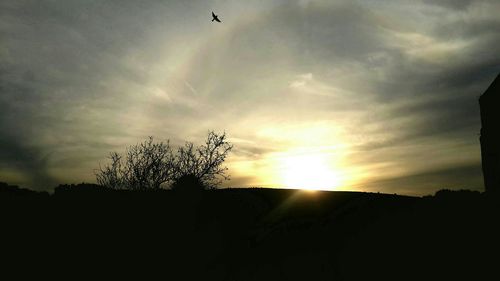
377, 96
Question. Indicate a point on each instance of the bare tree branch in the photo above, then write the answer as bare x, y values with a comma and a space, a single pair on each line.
150, 164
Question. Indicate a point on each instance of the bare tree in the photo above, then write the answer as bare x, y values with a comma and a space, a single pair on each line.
204, 162
149, 164
146, 165
111, 175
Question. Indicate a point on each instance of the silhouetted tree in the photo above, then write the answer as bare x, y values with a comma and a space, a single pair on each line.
146, 165
204, 163
150, 164
111, 175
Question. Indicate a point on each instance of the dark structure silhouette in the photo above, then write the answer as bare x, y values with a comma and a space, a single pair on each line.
215, 17
489, 104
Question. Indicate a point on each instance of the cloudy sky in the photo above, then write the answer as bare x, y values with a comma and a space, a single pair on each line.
342, 95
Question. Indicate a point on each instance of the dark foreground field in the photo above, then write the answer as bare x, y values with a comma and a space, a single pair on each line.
248, 234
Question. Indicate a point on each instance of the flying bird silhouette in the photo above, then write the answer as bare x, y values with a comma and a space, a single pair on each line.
215, 17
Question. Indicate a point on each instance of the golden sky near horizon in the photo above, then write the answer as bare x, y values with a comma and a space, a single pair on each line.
337, 95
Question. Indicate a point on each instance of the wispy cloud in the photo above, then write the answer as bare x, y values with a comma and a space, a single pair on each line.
389, 82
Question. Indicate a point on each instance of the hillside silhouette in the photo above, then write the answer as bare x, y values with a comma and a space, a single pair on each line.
249, 234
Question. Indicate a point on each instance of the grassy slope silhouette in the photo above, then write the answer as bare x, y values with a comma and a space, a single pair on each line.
250, 234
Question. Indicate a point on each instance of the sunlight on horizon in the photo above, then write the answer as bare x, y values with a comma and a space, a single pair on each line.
313, 157
310, 172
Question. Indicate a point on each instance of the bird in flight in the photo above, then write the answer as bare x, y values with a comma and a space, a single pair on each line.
215, 17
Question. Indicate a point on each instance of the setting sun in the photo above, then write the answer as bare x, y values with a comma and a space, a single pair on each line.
310, 171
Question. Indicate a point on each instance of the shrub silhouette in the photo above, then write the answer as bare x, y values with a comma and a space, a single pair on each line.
188, 183
151, 165
203, 162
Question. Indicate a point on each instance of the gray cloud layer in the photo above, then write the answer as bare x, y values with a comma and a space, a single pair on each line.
399, 81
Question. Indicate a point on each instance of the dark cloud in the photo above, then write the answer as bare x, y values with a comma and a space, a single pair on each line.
453, 4
18, 148
30, 161
428, 182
